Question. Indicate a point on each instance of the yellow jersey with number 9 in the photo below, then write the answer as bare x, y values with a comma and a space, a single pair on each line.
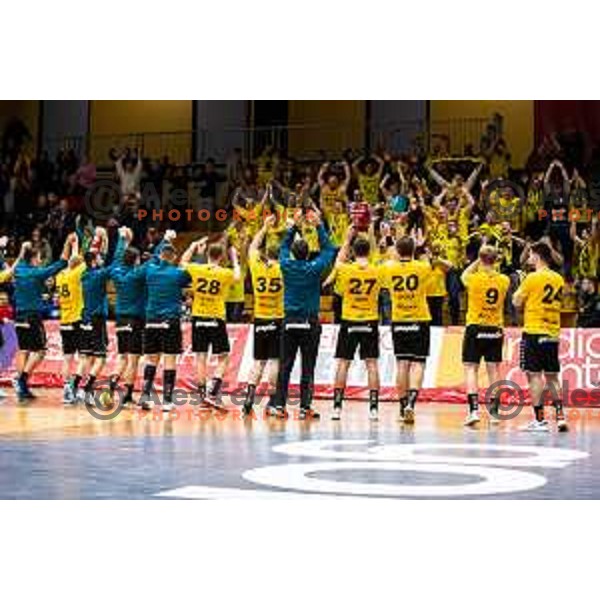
267, 282
70, 294
408, 282
210, 287
359, 285
486, 291
542, 294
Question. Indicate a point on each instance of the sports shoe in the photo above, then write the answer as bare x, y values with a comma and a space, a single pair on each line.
536, 426
168, 406
146, 402
69, 398
127, 401
373, 413
472, 418
20, 391
308, 413
336, 415
88, 398
562, 424
270, 411
409, 415
494, 417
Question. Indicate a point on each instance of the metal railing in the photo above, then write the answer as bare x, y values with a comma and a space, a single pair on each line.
313, 141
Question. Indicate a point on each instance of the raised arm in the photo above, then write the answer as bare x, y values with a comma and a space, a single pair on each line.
321, 175
197, 247
380, 164
403, 182
347, 175
437, 177
473, 177
237, 272
119, 166
383, 188
286, 244
344, 253
573, 233
470, 270
260, 235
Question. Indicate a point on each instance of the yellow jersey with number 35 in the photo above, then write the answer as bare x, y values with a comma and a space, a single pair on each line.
267, 282
70, 294
210, 288
408, 282
542, 295
359, 285
486, 292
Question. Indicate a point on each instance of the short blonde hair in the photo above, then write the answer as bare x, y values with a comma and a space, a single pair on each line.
488, 254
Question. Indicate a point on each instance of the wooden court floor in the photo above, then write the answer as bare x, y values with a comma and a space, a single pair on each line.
48, 451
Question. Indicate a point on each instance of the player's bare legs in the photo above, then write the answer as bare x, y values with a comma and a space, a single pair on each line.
536, 390
373, 381
554, 386
341, 376
214, 393
122, 363
150, 366
402, 368
472, 385
416, 370
254, 380
201, 360
129, 376
493, 373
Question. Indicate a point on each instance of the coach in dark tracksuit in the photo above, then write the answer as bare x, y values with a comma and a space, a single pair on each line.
301, 328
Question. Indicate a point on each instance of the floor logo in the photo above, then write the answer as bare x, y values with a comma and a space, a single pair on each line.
489, 469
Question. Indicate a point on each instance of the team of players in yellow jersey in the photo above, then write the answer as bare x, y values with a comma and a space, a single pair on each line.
360, 281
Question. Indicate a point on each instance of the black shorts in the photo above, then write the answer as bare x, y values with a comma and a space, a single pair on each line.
358, 334
93, 337
267, 338
539, 353
411, 340
482, 341
162, 337
70, 334
31, 333
209, 333
130, 332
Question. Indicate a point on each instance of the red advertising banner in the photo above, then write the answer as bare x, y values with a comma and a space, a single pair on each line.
444, 379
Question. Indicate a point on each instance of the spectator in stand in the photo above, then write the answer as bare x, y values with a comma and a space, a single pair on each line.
332, 189
129, 172
533, 225
557, 191
589, 303
40, 245
394, 190
44, 173
368, 171
60, 223
208, 182
85, 176
235, 169
587, 249
267, 166
499, 161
